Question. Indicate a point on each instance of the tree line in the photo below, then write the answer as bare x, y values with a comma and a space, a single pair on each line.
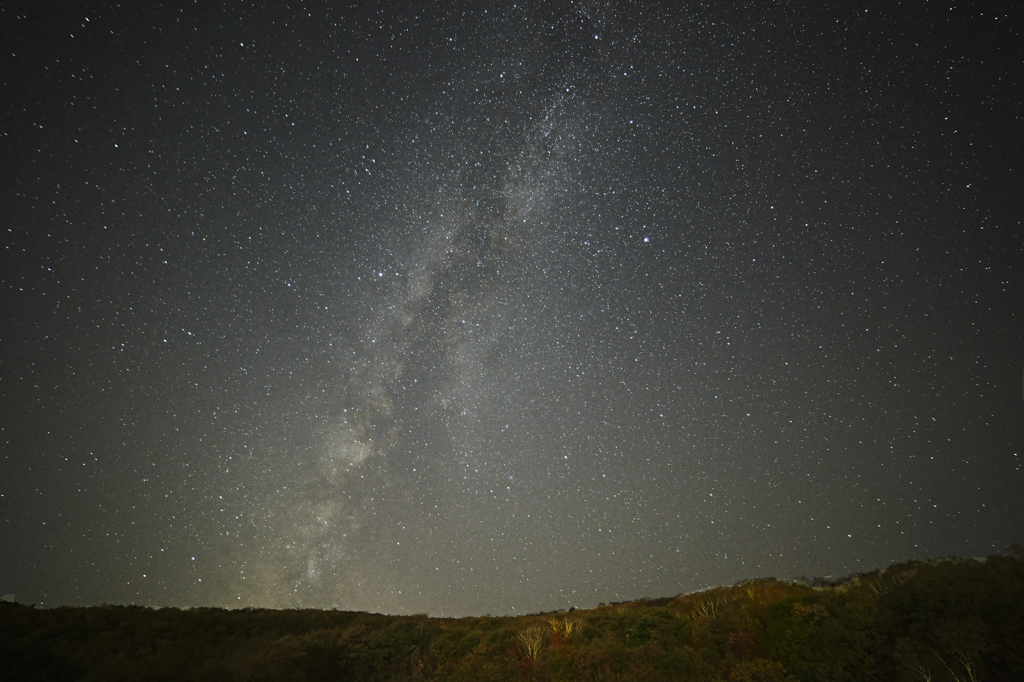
957, 620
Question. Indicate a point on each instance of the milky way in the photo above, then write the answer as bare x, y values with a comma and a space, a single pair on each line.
503, 308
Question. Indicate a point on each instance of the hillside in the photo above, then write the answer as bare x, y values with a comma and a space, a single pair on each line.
952, 619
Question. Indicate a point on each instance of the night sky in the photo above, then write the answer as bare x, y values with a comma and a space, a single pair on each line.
500, 308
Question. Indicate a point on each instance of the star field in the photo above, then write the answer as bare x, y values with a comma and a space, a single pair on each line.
503, 307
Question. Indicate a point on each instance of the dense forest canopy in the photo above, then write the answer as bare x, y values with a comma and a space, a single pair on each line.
947, 619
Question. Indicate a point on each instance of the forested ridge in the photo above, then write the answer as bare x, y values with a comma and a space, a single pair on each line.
930, 621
